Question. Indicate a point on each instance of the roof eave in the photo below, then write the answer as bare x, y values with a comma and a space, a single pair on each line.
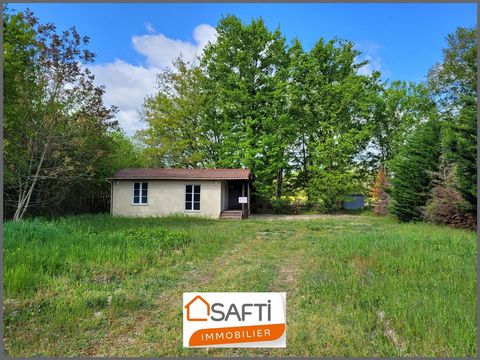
177, 178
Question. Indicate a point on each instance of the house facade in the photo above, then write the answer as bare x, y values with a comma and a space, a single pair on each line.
213, 193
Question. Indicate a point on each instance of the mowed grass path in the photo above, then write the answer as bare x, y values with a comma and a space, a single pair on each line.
356, 285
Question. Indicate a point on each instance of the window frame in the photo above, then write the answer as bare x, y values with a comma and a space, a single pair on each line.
193, 197
140, 196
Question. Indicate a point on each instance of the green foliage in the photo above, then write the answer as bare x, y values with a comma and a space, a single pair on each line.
307, 123
254, 102
413, 169
333, 119
398, 109
124, 152
461, 143
60, 140
454, 82
245, 81
19, 91
452, 85
330, 186
456, 76
175, 135
282, 206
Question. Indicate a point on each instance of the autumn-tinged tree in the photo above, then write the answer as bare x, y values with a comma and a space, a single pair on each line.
378, 193
446, 204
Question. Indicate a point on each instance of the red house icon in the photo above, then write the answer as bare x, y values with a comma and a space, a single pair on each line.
196, 299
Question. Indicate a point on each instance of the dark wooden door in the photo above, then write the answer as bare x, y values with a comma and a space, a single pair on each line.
234, 192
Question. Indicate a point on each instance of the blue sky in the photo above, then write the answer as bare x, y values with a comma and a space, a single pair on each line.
132, 41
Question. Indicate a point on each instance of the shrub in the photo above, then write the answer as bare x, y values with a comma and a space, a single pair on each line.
378, 194
282, 206
446, 204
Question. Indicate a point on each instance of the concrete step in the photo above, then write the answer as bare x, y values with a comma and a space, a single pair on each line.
231, 214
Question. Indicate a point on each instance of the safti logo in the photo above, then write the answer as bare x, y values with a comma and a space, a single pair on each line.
234, 320
204, 310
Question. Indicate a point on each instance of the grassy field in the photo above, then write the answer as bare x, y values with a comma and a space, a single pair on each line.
356, 285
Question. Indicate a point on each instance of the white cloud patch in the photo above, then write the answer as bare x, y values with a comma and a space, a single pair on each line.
149, 27
370, 51
127, 85
161, 51
204, 34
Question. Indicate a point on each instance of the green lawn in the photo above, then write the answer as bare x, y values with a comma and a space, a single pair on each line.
356, 285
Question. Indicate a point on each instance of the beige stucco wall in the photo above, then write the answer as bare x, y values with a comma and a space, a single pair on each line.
166, 197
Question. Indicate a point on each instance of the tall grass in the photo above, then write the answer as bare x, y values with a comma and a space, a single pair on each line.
36, 251
417, 279
74, 285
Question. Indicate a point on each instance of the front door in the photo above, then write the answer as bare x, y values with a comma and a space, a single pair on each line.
234, 192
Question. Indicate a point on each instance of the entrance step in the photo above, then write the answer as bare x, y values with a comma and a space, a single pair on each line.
231, 214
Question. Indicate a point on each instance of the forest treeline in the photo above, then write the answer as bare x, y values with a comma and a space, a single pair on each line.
313, 126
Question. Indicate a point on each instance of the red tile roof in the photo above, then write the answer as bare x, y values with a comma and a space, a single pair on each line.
180, 174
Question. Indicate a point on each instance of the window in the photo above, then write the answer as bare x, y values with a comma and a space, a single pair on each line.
140, 193
192, 197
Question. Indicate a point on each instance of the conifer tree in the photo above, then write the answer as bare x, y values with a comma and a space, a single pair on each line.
454, 83
413, 170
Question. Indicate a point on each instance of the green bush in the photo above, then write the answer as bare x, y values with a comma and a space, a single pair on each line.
281, 206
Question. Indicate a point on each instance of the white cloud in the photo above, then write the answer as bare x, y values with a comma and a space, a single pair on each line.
161, 51
370, 51
203, 34
127, 85
149, 27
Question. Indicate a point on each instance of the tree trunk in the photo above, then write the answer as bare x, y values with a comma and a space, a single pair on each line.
305, 174
24, 198
279, 183
305, 164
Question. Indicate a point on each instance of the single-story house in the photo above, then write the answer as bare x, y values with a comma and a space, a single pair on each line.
213, 193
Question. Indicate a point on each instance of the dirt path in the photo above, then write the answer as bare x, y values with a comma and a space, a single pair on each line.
267, 261
121, 342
